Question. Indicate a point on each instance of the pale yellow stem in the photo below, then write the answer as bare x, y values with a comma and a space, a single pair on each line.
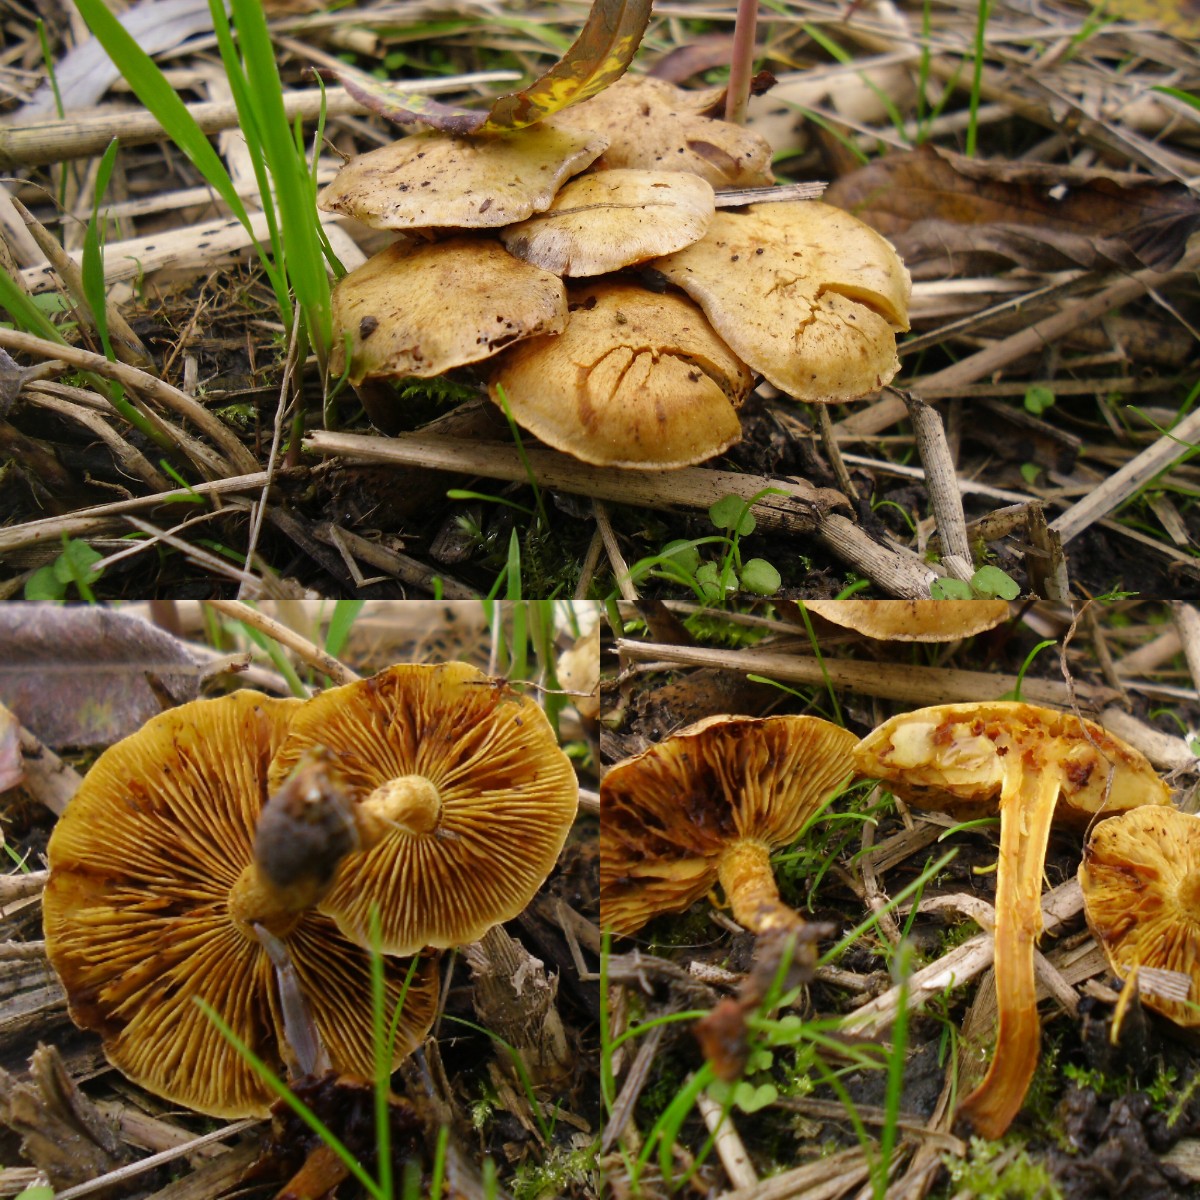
1027, 805
410, 804
745, 874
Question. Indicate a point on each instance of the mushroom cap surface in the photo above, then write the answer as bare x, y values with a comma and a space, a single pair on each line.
637, 379
425, 309
804, 293
1140, 877
669, 814
137, 921
913, 620
954, 757
606, 220
655, 126
508, 796
482, 181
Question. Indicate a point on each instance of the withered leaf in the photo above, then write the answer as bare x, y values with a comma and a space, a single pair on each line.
599, 55
948, 215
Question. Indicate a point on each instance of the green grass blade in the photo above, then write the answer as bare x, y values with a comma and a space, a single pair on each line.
345, 613
151, 87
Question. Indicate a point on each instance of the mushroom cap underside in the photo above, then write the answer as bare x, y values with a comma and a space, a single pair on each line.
508, 795
1140, 877
423, 309
138, 926
804, 293
637, 379
954, 757
479, 181
669, 814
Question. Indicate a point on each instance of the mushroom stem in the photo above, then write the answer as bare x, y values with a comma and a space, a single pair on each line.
255, 900
745, 874
410, 804
1027, 805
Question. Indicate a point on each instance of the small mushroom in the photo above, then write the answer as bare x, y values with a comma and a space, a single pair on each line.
607, 220
460, 793
637, 379
425, 309
709, 804
913, 620
484, 180
152, 903
962, 758
805, 294
1140, 877
653, 125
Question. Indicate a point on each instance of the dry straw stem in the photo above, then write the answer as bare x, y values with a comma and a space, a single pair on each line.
86, 521
238, 457
897, 571
729, 1145
1187, 622
824, 1179
398, 566
958, 966
310, 653
38, 143
1032, 340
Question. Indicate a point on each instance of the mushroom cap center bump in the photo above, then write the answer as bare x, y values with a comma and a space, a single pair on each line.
410, 804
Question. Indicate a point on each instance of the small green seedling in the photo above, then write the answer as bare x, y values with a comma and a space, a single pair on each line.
1037, 399
75, 565
988, 583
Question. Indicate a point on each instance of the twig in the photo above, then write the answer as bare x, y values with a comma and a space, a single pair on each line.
145, 384
833, 453
1135, 474
1187, 621
941, 481
620, 568
729, 1145
310, 653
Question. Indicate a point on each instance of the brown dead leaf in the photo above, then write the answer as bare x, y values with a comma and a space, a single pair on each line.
948, 215
88, 676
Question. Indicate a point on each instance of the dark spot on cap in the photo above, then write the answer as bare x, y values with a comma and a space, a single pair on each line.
367, 326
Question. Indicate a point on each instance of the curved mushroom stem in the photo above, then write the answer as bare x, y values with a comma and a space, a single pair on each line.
1027, 805
410, 803
745, 874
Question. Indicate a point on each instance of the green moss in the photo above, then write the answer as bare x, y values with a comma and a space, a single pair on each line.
561, 1174
992, 1169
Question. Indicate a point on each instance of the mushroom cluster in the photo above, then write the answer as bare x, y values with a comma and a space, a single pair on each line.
601, 366
233, 850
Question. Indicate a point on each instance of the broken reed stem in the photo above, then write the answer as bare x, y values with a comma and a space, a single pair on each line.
729, 1146
616, 560
941, 482
238, 458
310, 653
804, 509
832, 452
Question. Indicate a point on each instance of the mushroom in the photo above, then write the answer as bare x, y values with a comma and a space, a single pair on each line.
959, 758
612, 219
152, 904
637, 379
805, 294
461, 797
709, 804
913, 620
1140, 877
438, 179
424, 309
654, 125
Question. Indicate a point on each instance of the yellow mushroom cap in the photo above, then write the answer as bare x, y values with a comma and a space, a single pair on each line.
138, 924
804, 293
421, 310
637, 379
956, 756
913, 620
439, 179
653, 125
1140, 877
606, 220
670, 814
469, 797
